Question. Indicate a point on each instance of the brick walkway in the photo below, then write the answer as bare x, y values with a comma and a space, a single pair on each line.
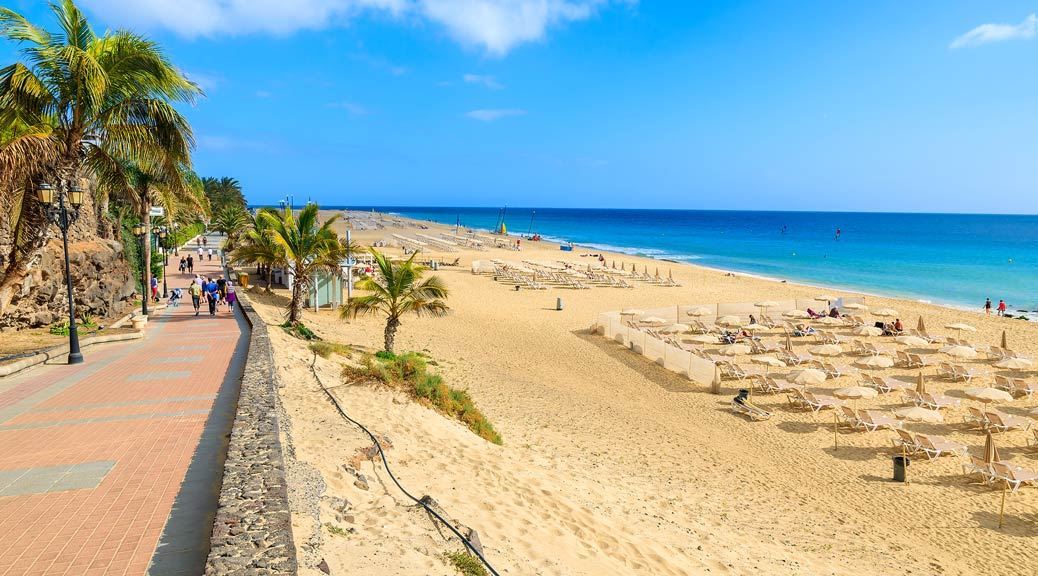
113, 466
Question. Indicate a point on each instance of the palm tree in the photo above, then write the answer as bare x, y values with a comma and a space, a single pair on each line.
255, 246
83, 98
224, 192
307, 247
231, 221
399, 291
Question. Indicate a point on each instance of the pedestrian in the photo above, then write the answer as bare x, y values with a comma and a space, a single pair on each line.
154, 288
1001, 307
183, 264
221, 286
210, 254
205, 241
190, 264
213, 295
201, 253
987, 307
231, 296
196, 295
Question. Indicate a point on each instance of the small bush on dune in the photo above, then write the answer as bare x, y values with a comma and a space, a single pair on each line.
466, 565
299, 330
410, 371
325, 349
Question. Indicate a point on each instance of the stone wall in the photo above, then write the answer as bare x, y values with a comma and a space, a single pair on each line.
252, 533
102, 285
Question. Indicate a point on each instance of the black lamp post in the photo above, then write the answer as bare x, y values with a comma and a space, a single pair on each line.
176, 238
165, 260
142, 232
63, 216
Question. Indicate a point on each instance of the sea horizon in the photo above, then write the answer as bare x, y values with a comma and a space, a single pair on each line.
956, 259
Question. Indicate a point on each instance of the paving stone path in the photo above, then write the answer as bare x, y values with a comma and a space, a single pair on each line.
114, 466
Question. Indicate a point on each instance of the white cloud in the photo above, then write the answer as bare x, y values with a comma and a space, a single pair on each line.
495, 26
987, 33
352, 107
487, 81
490, 115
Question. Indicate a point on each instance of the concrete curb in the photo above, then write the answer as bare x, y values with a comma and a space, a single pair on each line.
50, 353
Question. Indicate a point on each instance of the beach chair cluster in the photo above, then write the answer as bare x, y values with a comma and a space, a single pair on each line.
868, 420
930, 400
910, 360
929, 445
883, 384
958, 372
1016, 386
470, 242
997, 472
803, 398
439, 244
995, 421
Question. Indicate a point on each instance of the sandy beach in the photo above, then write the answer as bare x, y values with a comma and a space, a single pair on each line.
613, 465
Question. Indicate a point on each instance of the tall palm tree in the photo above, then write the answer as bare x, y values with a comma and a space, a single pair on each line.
85, 98
255, 246
231, 221
307, 247
223, 192
398, 291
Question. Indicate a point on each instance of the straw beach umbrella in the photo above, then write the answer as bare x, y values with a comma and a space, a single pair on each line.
960, 327
808, 377
829, 321
868, 331
699, 312
959, 351
768, 362
988, 395
990, 450
875, 362
653, 320
1014, 363
730, 321
704, 339
920, 385
921, 326
675, 328
734, 349
884, 312
855, 393
917, 414
1004, 345
855, 306
910, 341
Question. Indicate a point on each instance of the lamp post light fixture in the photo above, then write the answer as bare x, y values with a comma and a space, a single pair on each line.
63, 216
141, 232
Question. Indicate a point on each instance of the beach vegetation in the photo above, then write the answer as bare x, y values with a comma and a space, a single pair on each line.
254, 245
75, 104
325, 349
299, 330
396, 290
466, 564
409, 371
335, 530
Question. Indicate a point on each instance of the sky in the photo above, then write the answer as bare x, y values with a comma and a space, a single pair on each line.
927, 106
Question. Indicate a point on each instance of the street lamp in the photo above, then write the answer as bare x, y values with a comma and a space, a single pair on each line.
141, 232
165, 263
63, 216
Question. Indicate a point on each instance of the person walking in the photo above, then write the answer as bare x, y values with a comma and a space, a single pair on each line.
196, 295
190, 264
1001, 307
221, 286
205, 241
987, 307
154, 288
231, 296
210, 254
212, 295
183, 264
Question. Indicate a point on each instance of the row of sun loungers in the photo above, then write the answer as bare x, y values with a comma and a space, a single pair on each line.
931, 446
996, 421
992, 472
1016, 386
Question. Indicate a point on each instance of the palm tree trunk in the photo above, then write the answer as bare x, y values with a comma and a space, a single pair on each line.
391, 325
30, 235
295, 307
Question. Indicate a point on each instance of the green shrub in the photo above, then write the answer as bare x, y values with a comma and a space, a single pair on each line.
88, 321
466, 565
60, 329
299, 330
410, 371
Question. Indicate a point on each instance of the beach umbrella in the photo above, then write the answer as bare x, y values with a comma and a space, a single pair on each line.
657, 272
988, 395
855, 392
754, 327
632, 312
959, 351
884, 312
868, 331
921, 326
990, 451
700, 311
789, 343
1014, 363
855, 306
670, 274
623, 266
704, 339
808, 377
729, 321
1004, 339
734, 349
917, 414
825, 298
829, 321
646, 269
827, 350
675, 328
796, 314
766, 304
653, 320
875, 362
959, 327
920, 385
910, 340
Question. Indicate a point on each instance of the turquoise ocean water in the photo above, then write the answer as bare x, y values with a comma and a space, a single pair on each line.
945, 258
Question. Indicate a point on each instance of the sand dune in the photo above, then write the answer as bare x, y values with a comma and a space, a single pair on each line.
612, 465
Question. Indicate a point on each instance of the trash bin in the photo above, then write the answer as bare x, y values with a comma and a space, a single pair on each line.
558, 303
900, 464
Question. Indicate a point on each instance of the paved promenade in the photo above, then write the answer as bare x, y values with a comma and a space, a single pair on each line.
113, 466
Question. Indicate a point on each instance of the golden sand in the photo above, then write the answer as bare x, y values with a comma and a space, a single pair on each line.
612, 465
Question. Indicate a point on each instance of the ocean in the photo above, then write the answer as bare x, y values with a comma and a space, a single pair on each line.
955, 259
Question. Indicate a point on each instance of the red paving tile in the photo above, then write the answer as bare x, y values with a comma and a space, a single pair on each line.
113, 528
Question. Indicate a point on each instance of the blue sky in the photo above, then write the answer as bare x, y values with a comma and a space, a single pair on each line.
891, 106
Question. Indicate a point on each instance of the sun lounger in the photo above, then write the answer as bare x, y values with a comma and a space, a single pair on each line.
791, 358
1014, 476
750, 411
937, 446
1022, 387
922, 334
837, 370
906, 441
771, 385
886, 385
946, 370
981, 468
857, 348
939, 401
918, 361
912, 397
820, 401
874, 350
873, 420
732, 370
967, 374
976, 417
1000, 422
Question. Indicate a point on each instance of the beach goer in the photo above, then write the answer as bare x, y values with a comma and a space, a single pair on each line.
210, 254
196, 295
834, 313
201, 253
154, 288
174, 298
987, 307
898, 326
190, 264
205, 241
1001, 307
231, 296
752, 319
814, 314
221, 287
212, 295
183, 264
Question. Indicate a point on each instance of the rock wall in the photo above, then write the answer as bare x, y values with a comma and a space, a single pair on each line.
102, 285
252, 533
